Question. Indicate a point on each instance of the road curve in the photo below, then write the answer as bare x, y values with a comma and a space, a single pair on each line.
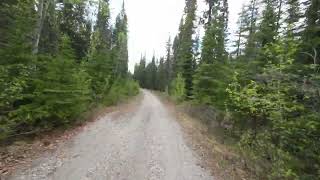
145, 143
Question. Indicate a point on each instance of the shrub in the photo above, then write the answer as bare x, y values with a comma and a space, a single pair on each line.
177, 88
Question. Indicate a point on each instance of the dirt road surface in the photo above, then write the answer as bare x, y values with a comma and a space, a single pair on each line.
143, 143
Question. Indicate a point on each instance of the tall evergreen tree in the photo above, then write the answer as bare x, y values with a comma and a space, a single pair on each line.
251, 40
311, 33
168, 64
293, 17
268, 27
161, 75
73, 23
210, 79
214, 41
176, 48
185, 57
50, 32
239, 42
100, 63
121, 43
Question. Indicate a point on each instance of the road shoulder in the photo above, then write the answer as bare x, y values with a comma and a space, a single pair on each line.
22, 152
221, 160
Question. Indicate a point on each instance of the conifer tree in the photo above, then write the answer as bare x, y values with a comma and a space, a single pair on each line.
100, 64
268, 27
311, 33
239, 42
176, 49
185, 57
121, 43
293, 17
50, 34
168, 64
210, 79
161, 75
73, 23
251, 40
215, 38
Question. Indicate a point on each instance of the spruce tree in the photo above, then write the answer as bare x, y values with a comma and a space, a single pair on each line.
293, 17
268, 28
176, 49
239, 42
50, 34
311, 33
185, 57
214, 41
121, 43
73, 23
161, 75
251, 40
168, 64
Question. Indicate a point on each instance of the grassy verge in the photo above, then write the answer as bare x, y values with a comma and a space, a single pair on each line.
209, 137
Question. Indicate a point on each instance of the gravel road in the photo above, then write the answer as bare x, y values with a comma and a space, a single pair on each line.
144, 143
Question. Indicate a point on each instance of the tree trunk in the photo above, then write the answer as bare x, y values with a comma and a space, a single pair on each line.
239, 40
279, 15
42, 8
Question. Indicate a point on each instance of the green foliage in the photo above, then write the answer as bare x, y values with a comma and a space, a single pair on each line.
120, 90
268, 27
120, 38
210, 82
40, 91
61, 93
311, 33
74, 24
177, 88
283, 124
161, 76
185, 55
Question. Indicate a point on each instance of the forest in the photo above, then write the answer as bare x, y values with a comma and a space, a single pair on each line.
59, 59
267, 88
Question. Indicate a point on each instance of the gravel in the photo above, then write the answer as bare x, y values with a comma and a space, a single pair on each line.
145, 143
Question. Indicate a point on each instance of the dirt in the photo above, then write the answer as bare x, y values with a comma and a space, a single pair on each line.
222, 160
143, 141
21, 153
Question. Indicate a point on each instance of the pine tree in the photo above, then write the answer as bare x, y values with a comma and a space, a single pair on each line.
62, 91
215, 36
239, 42
100, 64
185, 57
311, 33
251, 40
121, 43
140, 72
73, 23
161, 76
210, 79
293, 17
53, 67
268, 27
176, 49
50, 34
168, 64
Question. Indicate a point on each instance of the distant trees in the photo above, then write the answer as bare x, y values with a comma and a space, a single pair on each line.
54, 65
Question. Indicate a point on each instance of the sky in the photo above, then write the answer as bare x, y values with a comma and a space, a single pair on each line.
151, 22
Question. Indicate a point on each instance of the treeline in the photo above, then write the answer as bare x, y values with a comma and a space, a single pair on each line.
267, 89
57, 60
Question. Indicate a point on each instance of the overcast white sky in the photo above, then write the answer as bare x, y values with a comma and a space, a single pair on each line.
152, 21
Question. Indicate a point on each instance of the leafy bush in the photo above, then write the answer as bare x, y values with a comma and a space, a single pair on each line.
120, 90
177, 88
279, 122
